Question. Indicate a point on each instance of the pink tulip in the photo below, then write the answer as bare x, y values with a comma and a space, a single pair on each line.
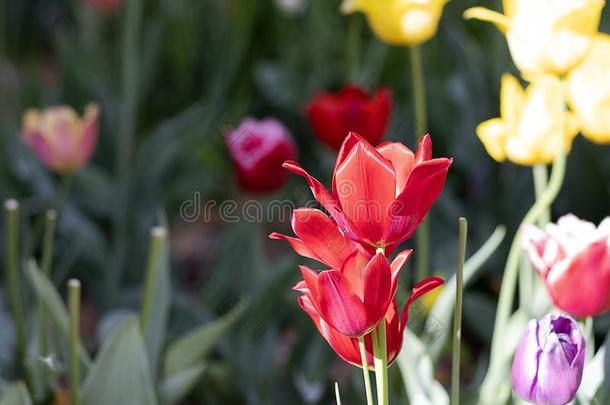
573, 258
62, 140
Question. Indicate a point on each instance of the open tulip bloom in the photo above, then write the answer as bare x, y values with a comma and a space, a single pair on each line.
545, 36
380, 195
548, 365
60, 138
573, 256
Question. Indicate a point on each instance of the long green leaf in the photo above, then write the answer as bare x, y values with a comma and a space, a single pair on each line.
157, 296
121, 373
194, 346
54, 307
437, 329
177, 386
16, 394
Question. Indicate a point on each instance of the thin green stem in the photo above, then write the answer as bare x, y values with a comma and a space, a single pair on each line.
383, 346
509, 281
157, 240
47, 259
124, 140
422, 236
48, 241
74, 307
540, 176
378, 363
365, 371
353, 47
11, 208
457, 312
337, 394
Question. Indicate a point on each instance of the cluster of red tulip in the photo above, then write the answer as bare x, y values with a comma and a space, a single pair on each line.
379, 196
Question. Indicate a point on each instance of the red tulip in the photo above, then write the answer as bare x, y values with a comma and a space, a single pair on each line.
380, 195
573, 258
354, 298
333, 116
258, 149
347, 347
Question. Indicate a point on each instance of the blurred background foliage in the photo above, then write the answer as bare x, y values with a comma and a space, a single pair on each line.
195, 69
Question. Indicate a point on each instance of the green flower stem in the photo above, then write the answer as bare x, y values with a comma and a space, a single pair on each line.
48, 241
11, 208
540, 175
457, 312
157, 240
365, 372
337, 394
353, 47
47, 259
509, 281
379, 366
74, 307
422, 235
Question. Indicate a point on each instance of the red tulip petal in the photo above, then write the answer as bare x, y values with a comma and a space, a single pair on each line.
401, 158
393, 332
588, 274
396, 266
321, 235
423, 188
420, 289
543, 251
329, 202
377, 288
366, 187
296, 244
339, 306
424, 149
353, 269
348, 144
347, 348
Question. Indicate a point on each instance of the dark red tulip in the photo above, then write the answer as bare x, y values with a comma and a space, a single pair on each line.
352, 109
258, 149
380, 195
347, 347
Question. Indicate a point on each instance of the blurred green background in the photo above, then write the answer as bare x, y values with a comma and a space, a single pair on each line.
170, 77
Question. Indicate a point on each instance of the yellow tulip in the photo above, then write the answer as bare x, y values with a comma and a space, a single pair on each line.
545, 36
400, 22
533, 126
588, 87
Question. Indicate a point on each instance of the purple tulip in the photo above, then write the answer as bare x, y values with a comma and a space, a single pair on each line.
548, 365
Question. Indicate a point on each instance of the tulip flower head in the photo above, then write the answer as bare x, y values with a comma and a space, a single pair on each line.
347, 347
380, 195
545, 36
533, 126
333, 116
400, 22
573, 258
548, 364
258, 149
588, 88
60, 138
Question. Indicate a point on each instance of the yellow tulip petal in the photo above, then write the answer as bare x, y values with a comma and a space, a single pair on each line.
584, 19
588, 88
509, 8
492, 134
512, 98
484, 14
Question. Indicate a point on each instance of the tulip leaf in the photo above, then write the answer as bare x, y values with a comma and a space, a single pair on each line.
418, 373
195, 345
437, 328
54, 307
121, 373
16, 394
157, 296
595, 376
177, 386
